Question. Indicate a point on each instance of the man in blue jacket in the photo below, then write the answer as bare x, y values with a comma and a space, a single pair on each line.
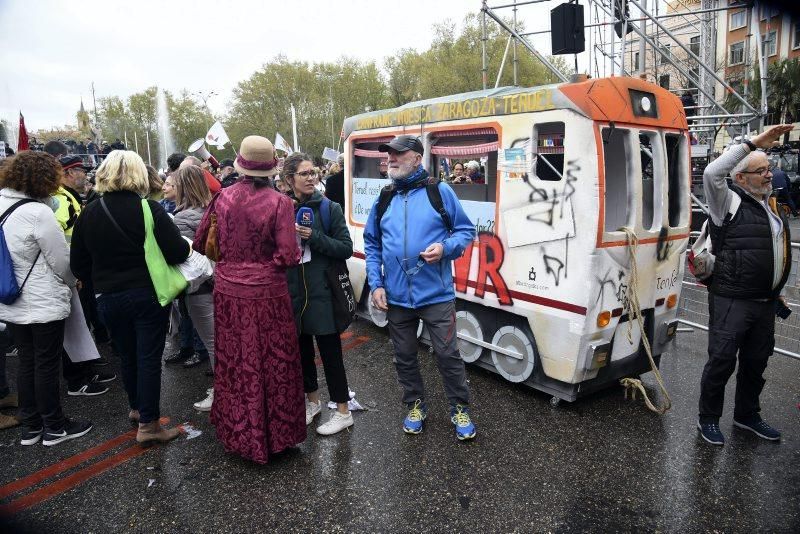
409, 249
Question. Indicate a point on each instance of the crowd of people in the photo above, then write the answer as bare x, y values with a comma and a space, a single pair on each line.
255, 321
95, 263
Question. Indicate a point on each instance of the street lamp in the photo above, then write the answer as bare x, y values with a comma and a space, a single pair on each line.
205, 97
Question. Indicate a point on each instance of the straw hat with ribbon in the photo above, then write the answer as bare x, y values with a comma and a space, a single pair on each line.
256, 157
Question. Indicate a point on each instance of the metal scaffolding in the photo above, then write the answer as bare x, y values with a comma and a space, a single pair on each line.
606, 54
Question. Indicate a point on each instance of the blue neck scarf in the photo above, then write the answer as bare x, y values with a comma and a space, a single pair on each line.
408, 183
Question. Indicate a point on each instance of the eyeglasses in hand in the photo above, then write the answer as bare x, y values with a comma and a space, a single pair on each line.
406, 261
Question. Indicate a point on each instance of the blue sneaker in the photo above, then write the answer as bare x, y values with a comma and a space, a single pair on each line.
417, 413
459, 415
760, 428
711, 433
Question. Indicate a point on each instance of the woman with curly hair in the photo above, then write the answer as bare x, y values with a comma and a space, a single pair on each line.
40, 256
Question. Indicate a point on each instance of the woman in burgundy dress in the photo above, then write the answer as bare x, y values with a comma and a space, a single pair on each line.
259, 406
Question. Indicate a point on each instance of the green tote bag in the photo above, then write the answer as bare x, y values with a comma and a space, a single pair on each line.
167, 279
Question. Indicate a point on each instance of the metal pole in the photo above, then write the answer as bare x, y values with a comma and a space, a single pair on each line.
149, 159
94, 103
762, 62
613, 44
515, 43
517, 4
642, 50
330, 94
527, 45
693, 56
484, 72
503, 64
746, 128
668, 57
623, 41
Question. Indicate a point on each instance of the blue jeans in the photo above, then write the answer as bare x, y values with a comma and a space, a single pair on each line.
138, 325
188, 333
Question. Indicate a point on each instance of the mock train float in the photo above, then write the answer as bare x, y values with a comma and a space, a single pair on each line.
542, 293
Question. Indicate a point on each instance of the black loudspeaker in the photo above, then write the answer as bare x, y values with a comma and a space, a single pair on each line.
566, 29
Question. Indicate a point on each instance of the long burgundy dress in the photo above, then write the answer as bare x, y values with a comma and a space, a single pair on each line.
259, 406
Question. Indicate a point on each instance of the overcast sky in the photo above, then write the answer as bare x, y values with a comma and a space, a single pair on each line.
51, 51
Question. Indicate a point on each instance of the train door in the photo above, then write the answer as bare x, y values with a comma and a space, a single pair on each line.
645, 190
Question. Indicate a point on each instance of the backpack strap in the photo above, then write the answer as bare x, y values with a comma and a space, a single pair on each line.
3, 218
435, 198
384, 199
14, 206
116, 224
325, 214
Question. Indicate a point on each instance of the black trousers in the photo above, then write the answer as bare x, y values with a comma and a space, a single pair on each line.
40, 347
330, 351
76, 374
746, 328
89, 305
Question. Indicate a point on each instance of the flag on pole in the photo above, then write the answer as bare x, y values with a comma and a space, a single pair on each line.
281, 144
216, 136
22, 140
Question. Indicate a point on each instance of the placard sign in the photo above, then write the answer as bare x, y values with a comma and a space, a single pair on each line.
363, 194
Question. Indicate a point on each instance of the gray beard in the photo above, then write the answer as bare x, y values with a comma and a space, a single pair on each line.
400, 174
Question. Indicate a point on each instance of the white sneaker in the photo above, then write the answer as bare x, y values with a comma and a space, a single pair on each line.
205, 404
336, 423
312, 409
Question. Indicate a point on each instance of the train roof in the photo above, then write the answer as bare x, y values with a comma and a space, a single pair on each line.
617, 99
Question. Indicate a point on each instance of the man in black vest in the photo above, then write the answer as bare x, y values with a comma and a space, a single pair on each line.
750, 239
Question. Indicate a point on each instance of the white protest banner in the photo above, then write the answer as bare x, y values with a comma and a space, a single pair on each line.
330, 154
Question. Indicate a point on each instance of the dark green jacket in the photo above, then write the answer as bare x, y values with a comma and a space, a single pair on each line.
308, 286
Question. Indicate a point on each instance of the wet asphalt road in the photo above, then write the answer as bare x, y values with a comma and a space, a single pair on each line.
602, 464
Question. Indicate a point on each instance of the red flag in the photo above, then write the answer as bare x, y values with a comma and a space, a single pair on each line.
23, 135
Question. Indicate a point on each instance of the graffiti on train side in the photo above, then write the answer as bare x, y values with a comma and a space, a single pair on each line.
486, 276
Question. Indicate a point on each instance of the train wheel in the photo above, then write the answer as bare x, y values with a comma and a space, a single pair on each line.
468, 325
513, 368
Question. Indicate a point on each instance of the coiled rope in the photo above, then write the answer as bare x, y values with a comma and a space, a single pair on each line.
633, 309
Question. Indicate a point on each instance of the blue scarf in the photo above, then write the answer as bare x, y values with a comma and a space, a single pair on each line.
410, 182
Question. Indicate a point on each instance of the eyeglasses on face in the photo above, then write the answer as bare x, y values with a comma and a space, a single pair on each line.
761, 170
307, 174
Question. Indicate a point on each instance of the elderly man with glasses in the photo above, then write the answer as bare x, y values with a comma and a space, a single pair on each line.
750, 239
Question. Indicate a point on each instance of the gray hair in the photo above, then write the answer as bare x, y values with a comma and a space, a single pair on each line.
472, 164
742, 165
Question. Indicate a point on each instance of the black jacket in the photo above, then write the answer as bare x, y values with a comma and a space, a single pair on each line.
743, 268
114, 264
334, 188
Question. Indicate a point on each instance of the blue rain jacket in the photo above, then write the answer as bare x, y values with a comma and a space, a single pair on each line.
409, 226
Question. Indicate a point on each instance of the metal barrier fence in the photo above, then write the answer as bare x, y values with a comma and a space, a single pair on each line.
693, 308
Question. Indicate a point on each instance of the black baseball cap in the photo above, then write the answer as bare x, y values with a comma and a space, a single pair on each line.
403, 143
226, 163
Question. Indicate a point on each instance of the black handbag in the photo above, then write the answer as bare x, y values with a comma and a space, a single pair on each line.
342, 295
338, 277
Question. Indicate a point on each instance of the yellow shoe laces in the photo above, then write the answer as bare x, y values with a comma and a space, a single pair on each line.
415, 414
461, 418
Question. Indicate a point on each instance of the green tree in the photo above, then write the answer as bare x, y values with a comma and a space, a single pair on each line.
784, 90
323, 94
188, 119
453, 64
